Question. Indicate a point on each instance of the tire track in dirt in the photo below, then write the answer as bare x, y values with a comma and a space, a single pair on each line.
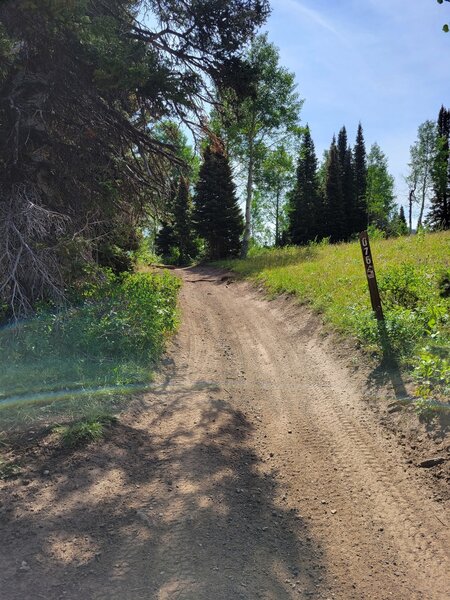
297, 382
254, 470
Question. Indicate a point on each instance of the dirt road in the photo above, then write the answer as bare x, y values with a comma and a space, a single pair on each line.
255, 470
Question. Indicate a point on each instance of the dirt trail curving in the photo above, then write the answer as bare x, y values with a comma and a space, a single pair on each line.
254, 470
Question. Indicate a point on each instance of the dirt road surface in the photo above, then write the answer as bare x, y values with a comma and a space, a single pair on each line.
254, 470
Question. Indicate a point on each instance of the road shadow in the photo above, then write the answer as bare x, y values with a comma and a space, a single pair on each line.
388, 370
190, 513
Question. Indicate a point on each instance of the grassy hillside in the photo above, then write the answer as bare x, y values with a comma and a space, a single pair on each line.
414, 279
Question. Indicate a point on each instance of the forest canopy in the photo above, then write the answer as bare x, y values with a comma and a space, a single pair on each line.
84, 85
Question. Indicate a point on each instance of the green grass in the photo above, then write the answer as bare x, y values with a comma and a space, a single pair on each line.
85, 431
88, 358
413, 275
9, 469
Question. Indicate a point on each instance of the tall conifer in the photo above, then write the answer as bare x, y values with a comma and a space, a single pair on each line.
304, 204
334, 201
165, 240
217, 216
359, 212
342, 146
347, 182
183, 224
402, 224
439, 215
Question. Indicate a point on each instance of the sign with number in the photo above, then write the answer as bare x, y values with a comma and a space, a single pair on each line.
371, 277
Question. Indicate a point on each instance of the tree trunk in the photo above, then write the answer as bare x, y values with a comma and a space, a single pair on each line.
248, 200
277, 219
422, 206
411, 196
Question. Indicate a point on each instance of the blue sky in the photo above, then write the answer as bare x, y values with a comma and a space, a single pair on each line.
382, 62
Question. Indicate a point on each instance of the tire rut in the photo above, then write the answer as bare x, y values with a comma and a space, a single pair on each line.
291, 380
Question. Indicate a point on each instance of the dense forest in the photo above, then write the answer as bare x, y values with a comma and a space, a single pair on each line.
143, 125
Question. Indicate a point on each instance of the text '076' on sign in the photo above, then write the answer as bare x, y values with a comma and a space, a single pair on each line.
371, 277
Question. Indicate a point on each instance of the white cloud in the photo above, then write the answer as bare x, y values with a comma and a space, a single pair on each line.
311, 14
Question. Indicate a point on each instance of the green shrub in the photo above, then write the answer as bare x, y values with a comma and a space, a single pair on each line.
85, 431
112, 337
9, 469
407, 286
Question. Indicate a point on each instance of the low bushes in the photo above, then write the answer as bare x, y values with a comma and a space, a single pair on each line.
109, 338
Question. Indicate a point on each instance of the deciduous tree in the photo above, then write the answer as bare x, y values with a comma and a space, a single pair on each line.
422, 160
380, 189
273, 180
266, 117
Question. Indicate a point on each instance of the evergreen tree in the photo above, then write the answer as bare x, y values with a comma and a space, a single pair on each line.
359, 212
217, 216
304, 203
402, 224
439, 215
334, 201
398, 225
342, 147
183, 229
347, 182
165, 240
97, 76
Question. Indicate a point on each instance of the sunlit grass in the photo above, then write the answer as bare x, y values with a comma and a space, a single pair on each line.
412, 272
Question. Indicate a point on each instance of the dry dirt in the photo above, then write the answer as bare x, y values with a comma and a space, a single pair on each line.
256, 469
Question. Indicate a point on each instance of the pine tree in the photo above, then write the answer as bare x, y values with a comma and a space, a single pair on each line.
359, 212
334, 200
439, 215
217, 216
183, 229
304, 203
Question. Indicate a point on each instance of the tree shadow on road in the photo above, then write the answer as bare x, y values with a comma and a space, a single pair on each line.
166, 508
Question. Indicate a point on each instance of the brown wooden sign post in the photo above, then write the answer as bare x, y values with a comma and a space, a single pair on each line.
371, 278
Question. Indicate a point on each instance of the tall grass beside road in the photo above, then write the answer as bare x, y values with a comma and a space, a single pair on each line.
86, 359
414, 280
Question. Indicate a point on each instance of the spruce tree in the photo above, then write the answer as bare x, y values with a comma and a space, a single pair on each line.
402, 224
342, 146
217, 216
439, 215
347, 182
359, 212
165, 240
183, 224
334, 200
304, 203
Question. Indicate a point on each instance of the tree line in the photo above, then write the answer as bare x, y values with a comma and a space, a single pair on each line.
84, 89
95, 108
